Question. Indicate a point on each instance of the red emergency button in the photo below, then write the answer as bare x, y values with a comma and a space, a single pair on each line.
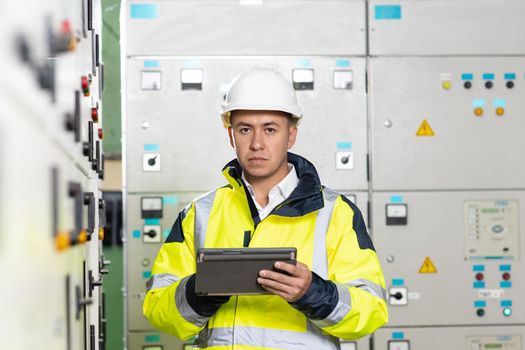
84, 83
506, 276
94, 114
100, 134
479, 276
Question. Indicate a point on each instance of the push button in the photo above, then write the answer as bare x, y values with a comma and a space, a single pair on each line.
480, 312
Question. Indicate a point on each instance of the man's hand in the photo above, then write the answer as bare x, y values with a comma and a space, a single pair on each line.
290, 288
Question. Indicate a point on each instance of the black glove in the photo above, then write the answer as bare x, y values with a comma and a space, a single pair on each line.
203, 305
319, 300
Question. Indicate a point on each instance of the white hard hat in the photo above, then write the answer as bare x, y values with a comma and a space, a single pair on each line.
260, 89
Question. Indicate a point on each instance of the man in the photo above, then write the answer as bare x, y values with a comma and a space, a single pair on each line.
274, 199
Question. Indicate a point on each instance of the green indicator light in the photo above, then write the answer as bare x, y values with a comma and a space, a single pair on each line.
507, 311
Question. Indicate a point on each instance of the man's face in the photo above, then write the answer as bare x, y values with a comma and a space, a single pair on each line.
261, 140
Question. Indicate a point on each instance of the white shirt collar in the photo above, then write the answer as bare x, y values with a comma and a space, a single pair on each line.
283, 189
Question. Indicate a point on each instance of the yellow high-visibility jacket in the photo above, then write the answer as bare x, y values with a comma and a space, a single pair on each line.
347, 297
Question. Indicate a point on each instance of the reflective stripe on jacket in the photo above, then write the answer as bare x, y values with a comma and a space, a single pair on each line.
331, 239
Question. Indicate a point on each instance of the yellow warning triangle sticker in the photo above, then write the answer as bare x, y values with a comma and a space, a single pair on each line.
425, 129
428, 266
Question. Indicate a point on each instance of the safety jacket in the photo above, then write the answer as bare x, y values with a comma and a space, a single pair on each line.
331, 239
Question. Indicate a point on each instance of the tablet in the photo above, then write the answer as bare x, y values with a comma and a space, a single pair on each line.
234, 271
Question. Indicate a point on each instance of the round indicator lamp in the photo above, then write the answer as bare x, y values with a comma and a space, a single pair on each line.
478, 111
500, 111
507, 311
446, 85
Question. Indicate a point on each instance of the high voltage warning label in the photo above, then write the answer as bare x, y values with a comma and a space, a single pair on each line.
428, 266
425, 129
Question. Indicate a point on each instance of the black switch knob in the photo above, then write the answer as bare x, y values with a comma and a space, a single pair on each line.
510, 84
489, 84
397, 296
345, 160
467, 84
152, 161
480, 312
151, 233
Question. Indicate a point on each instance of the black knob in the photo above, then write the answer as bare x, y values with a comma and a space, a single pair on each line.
397, 296
510, 84
151, 233
467, 84
480, 312
489, 84
151, 161
345, 160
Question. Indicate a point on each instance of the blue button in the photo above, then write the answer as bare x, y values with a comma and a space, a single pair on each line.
152, 338
152, 221
480, 303
168, 200
144, 11
478, 103
344, 145
136, 234
499, 102
303, 62
387, 12
146, 274
151, 63
506, 303
505, 267
478, 268
342, 63
396, 199
479, 285
151, 147
505, 284
398, 335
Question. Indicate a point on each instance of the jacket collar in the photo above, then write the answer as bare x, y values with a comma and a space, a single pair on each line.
306, 198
